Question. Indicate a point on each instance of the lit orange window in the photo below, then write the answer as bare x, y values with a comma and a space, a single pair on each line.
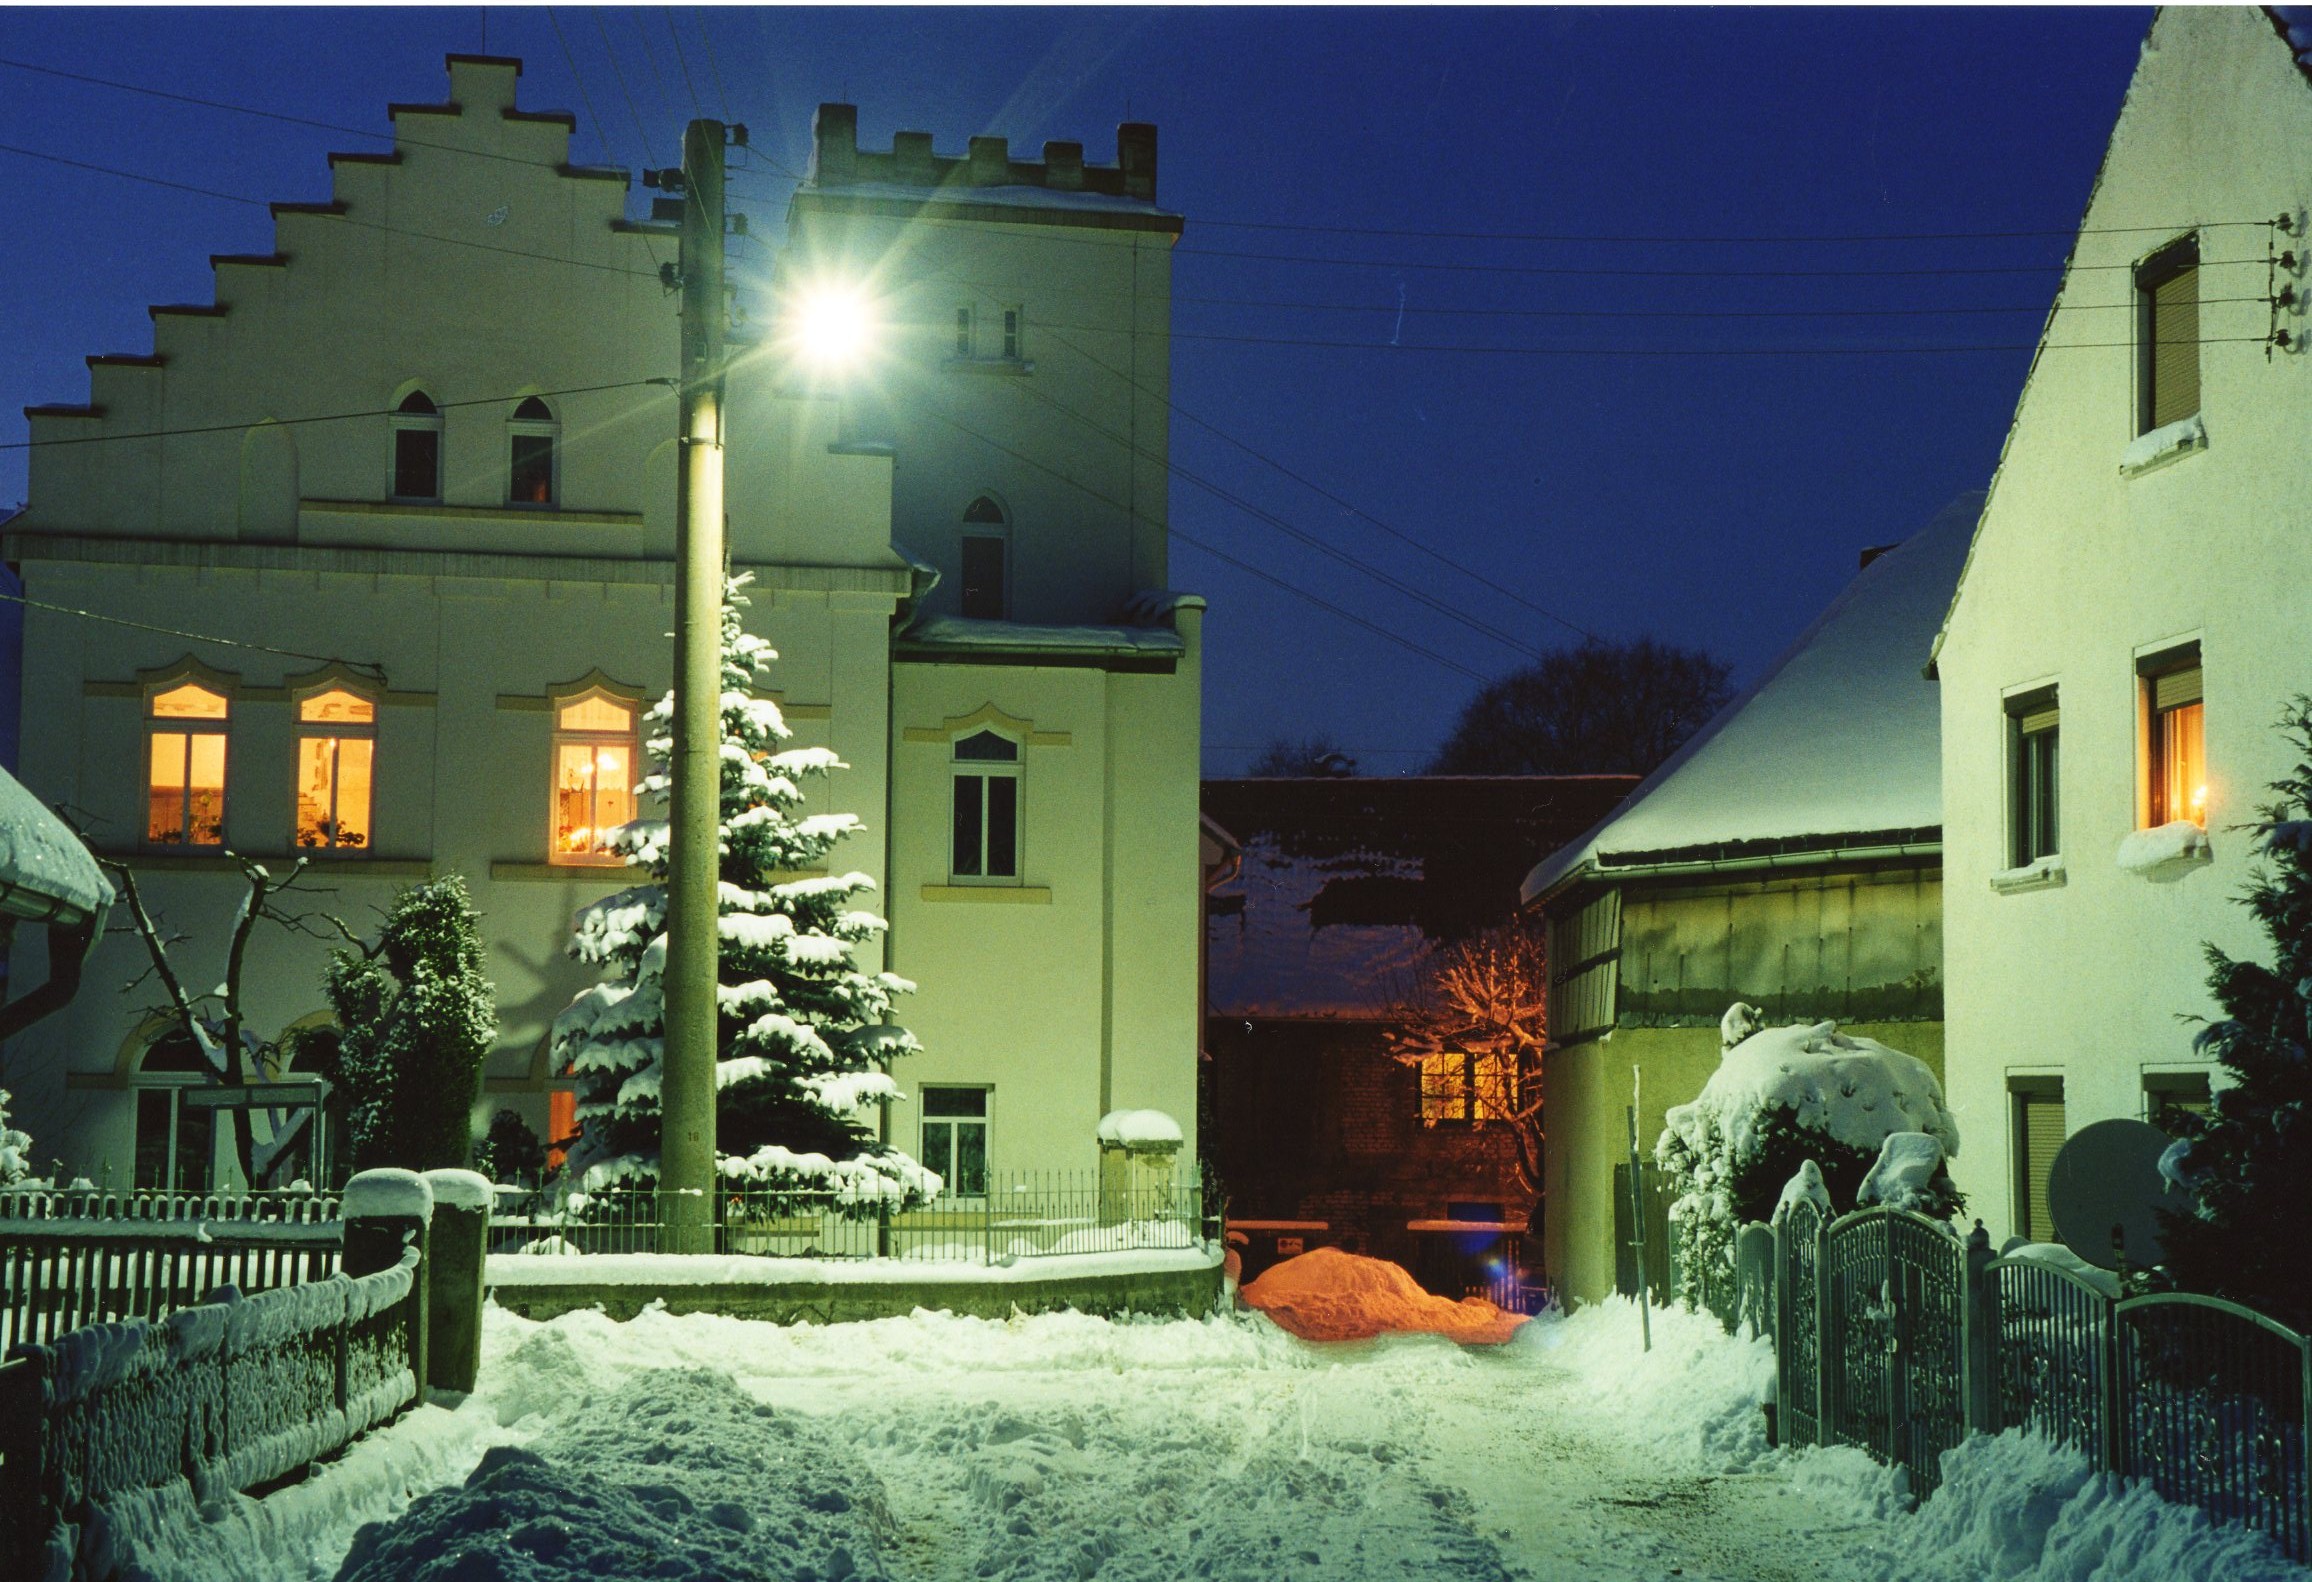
336, 757
594, 756
185, 757
2179, 751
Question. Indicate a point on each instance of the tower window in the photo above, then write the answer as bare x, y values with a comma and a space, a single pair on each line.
417, 448
985, 549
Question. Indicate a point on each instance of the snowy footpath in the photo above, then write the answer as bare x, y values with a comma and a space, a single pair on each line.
930, 1448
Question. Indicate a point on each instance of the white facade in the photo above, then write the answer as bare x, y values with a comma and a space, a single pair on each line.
2125, 536
475, 266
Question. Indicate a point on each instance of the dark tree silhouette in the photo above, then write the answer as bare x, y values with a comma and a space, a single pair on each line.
1600, 708
1309, 758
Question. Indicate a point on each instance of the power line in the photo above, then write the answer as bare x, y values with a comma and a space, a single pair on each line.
1311, 484
1411, 310
1301, 535
1707, 240
579, 78
641, 137
1174, 531
342, 219
682, 60
713, 61
373, 668
1625, 271
326, 417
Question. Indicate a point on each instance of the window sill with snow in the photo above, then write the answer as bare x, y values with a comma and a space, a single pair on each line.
2166, 852
2167, 443
2044, 873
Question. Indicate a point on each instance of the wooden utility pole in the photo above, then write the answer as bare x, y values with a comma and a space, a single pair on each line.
687, 1085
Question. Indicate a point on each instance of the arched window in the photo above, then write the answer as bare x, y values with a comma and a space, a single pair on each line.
595, 749
417, 448
987, 809
185, 725
176, 1142
531, 436
986, 549
336, 761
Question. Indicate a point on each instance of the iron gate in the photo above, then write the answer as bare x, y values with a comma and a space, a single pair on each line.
1798, 1325
1891, 1322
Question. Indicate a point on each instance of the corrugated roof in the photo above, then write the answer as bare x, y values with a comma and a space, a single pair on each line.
1841, 738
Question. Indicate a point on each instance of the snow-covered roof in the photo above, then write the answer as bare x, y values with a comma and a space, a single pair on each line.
962, 634
46, 871
1840, 738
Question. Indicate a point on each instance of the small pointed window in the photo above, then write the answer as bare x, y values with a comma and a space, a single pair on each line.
532, 438
185, 725
417, 448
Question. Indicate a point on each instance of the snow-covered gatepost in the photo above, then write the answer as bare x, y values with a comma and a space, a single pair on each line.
386, 1213
1139, 1165
457, 1237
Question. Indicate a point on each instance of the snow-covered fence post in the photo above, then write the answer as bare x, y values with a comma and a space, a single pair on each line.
1979, 1345
386, 1211
455, 1241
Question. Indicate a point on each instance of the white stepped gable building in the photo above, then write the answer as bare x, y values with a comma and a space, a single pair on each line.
461, 602
2133, 615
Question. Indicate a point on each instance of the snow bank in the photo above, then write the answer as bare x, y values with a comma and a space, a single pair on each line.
2141, 851
1139, 1129
1693, 1402
389, 1194
677, 1269
1328, 1294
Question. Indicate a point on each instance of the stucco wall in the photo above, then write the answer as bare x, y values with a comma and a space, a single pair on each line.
2078, 570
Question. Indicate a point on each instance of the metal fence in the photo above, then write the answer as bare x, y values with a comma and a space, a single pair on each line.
1020, 1215
73, 1258
1893, 1335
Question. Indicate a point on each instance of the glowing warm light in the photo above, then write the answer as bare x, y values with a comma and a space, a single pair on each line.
831, 326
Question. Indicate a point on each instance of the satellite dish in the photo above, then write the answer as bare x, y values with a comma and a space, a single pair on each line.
2105, 1192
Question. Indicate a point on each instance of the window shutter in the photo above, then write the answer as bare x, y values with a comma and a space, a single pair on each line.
2042, 719
2042, 1118
2176, 688
2175, 351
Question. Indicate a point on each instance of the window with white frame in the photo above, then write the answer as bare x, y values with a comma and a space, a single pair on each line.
185, 729
986, 548
336, 764
417, 448
595, 752
2034, 735
532, 437
176, 1142
955, 1138
986, 846
2176, 739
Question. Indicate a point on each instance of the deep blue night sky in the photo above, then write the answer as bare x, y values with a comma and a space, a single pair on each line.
1617, 471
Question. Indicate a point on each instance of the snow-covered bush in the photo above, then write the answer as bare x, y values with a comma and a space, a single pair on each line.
2248, 1161
15, 1149
804, 1036
1781, 1097
416, 1018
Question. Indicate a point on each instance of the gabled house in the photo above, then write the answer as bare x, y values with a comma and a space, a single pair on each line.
1342, 894
1789, 856
2133, 616
369, 561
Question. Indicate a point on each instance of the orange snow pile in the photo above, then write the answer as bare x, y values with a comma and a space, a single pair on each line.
1328, 1294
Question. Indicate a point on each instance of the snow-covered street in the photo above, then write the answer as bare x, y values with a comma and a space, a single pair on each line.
934, 1449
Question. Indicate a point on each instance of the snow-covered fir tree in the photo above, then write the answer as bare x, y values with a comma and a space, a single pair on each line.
2248, 1161
804, 1037
15, 1149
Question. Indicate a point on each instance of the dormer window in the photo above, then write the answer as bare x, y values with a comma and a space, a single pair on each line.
986, 547
336, 759
185, 724
417, 448
531, 437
